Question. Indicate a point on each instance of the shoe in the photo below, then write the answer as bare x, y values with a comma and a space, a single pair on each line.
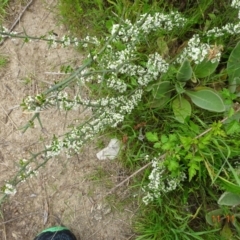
56, 233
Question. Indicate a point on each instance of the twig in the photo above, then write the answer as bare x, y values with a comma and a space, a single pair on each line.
13, 219
4, 227
56, 73
8, 117
17, 20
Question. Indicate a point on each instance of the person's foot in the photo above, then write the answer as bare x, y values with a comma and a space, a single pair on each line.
56, 233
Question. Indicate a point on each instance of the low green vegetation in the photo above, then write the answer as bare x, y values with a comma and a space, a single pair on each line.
3, 61
3, 5
186, 122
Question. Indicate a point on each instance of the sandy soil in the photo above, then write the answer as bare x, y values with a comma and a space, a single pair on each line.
68, 192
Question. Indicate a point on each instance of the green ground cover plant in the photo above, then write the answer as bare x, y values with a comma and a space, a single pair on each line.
3, 5
166, 78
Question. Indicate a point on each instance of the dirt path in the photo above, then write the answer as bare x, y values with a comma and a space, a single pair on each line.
65, 191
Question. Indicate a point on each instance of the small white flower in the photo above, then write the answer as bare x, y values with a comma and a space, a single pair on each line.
10, 189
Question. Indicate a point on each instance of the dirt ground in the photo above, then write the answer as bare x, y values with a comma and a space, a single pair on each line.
65, 191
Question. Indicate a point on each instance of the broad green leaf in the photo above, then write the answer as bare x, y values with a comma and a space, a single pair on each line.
185, 71
213, 217
152, 137
207, 99
205, 68
234, 84
161, 89
229, 199
233, 64
181, 109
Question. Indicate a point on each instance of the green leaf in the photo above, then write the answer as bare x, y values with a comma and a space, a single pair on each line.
164, 138
157, 145
229, 186
235, 82
207, 99
181, 109
173, 165
179, 87
109, 24
185, 71
226, 232
160, 103
213, 217
186, 142
194, 127
166, 146
162, 46
205, 68
192, 171
152, 137
234, 173
233, 64
233, 127
229, 199
161, 89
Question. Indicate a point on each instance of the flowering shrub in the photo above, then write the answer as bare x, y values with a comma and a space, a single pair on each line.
131, 74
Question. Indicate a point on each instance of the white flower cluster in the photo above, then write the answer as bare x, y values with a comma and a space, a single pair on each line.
229, 28
197, 51
110, 115
235, 4
159, 182
146, 24
31, 104
116, 84
9, 189
90, 40
52, 40
66, 40
64, 102
155, 66
121, 54
121, 62
26, 170
5, 30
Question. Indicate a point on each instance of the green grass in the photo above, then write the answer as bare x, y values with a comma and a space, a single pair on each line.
3, 5
3, 61
181, 213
